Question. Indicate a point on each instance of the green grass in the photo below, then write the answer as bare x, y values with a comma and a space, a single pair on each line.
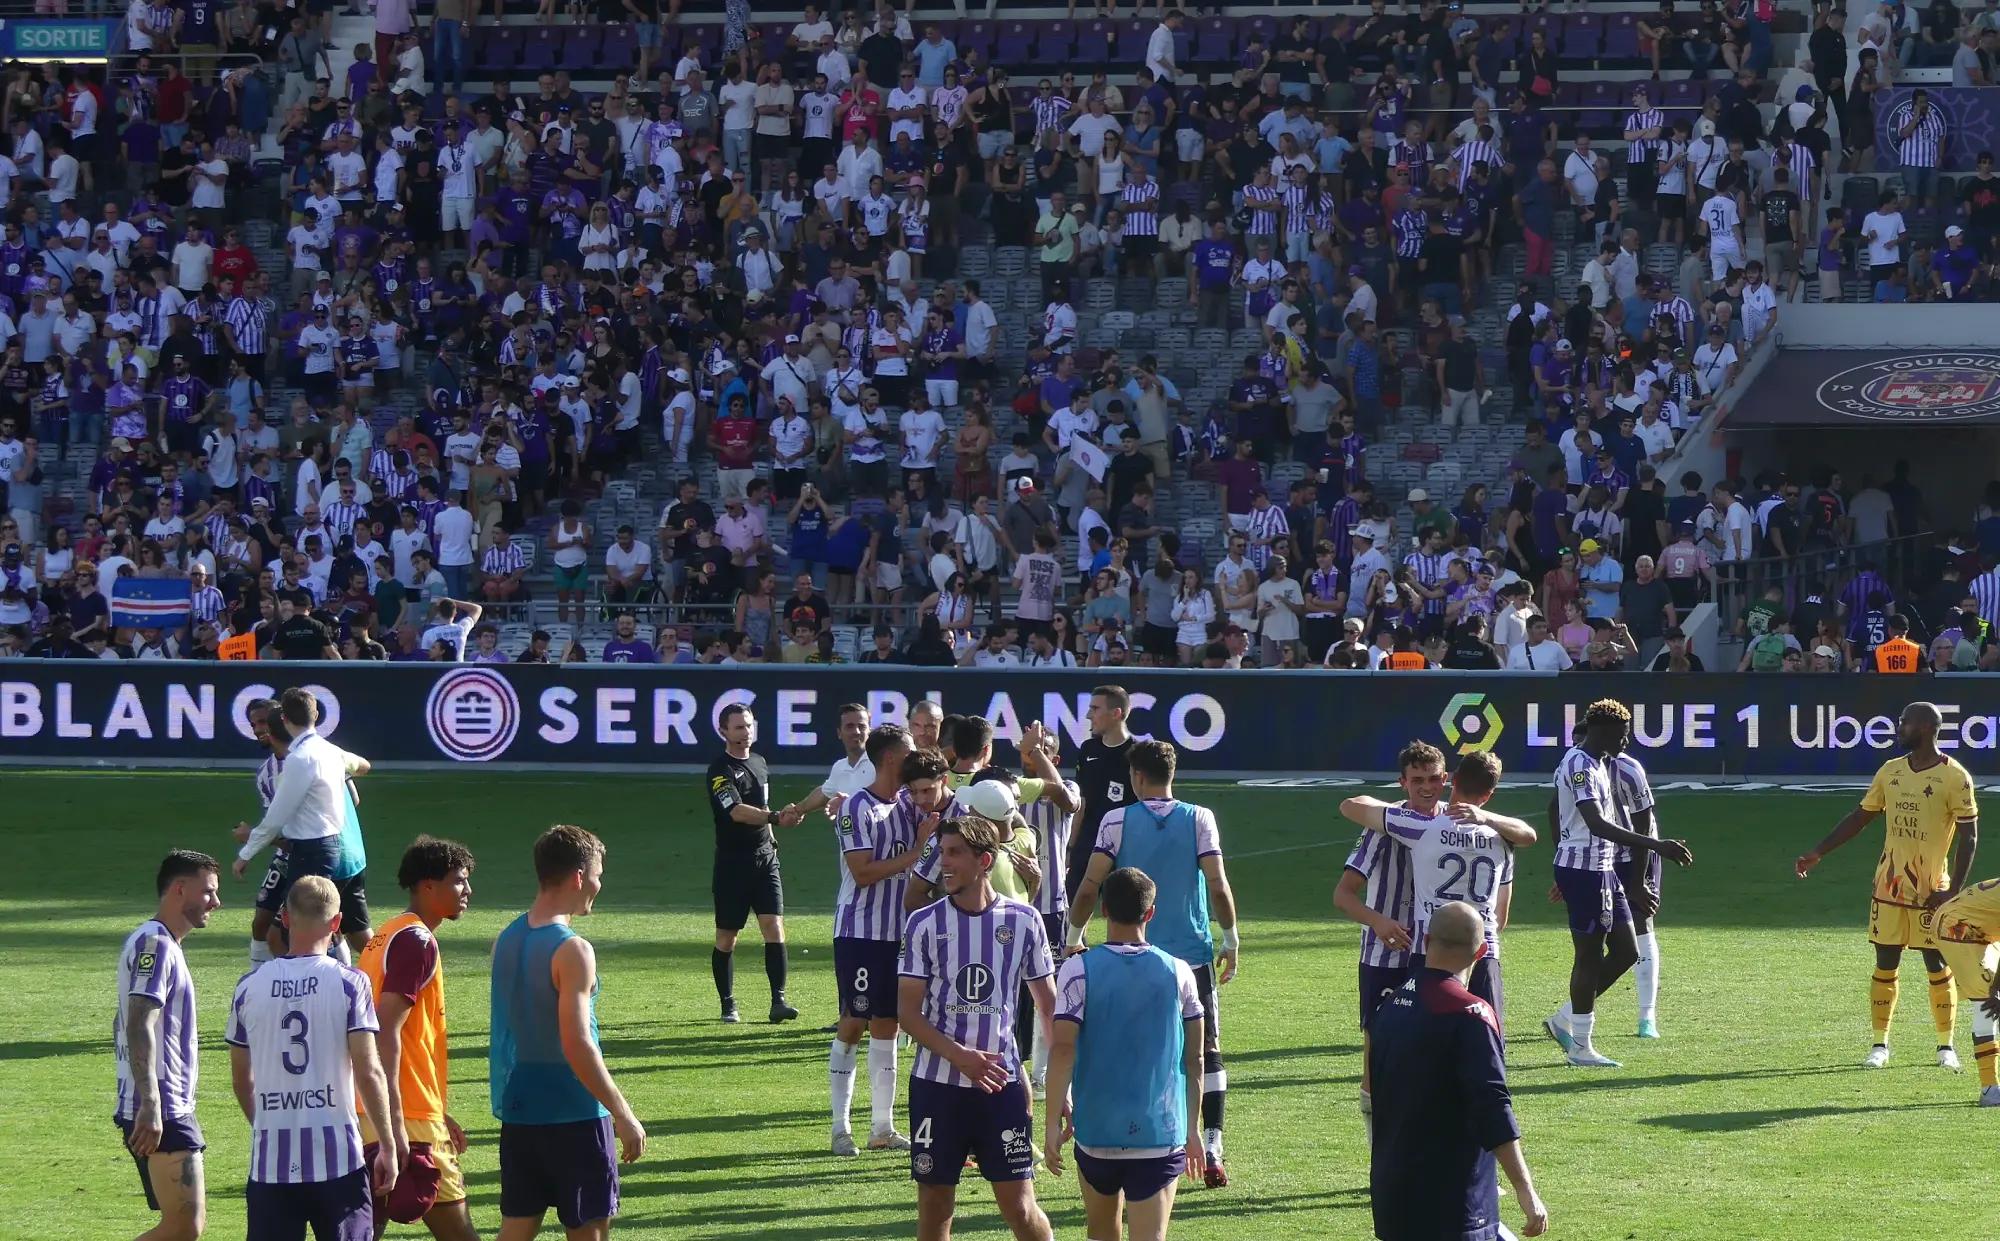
1751, 1119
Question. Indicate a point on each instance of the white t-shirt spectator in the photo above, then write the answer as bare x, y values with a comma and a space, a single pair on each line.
454, 529
1281, 624
211, 179
1884, 233
1739, 538
1546, 655
625, 563
923, 433
1089, 133
739, 105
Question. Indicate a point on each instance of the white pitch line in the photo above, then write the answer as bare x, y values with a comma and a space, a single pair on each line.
1317, 844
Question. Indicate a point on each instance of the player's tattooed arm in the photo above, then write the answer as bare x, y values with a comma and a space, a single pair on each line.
142, 1042
1845, 830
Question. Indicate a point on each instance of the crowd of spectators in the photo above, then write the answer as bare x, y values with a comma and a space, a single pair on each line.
740, 267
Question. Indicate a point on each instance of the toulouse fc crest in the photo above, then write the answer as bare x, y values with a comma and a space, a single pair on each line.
1952, 386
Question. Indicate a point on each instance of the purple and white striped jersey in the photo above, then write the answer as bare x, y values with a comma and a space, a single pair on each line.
294, 1014
1581, 778
868, 825
1634, 793
1451, 861
1052, 830
267, 778
1388, 891
151, 964
972, 966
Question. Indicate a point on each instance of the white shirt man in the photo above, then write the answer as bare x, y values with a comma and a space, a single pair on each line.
901, 99
1580, 173
1883, 230
1760, 308
857, 166
923, 435
1546, 655
625, 562
1713, 363
981, 327
1160, 54
310, 800
1737, 533
454, 529
1236, 577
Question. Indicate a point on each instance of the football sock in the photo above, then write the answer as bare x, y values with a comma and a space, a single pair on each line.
1882, 1001
882, 1083
260, 952
775, 966
1211, 1141
1646, 974
1566, 1017
1214, 1094
1985, 1051
1580, 1025
1368, 1115
723, 967
1039, 1059
840, 1079
1944, 1005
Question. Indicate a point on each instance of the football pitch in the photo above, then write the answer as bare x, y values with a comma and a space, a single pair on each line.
1751, 1118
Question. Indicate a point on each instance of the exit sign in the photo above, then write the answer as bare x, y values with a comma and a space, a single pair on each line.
75, 39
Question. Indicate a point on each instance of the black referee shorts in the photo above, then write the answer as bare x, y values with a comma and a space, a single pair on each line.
746, 885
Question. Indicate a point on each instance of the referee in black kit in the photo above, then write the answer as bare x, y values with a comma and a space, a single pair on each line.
1444, 1123
1103, 776
747, 879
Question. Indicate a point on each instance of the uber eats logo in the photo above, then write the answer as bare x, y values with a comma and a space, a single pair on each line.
1471, 724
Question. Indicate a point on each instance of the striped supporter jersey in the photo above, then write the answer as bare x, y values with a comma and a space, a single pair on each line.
1386, 867
1634, 794
294, 1014
972, 966
881, 830
1052, 827
151, 964
1580, 778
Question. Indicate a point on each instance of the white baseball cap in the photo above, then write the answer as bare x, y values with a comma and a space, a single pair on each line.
990, 799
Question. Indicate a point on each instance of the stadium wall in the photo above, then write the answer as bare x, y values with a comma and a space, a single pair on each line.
1233, 724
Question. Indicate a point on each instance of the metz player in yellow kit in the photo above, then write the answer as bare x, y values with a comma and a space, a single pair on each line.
1928, 800
1966, 928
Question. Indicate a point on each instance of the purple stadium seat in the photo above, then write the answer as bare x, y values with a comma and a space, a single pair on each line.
1549, 24
1016, 47
1582, 36
1093, 42
1621, 36
1054, 42
774, 37
621, 47
1215, 40
973, 37
584, 49
1263, 26
495, 49
544, 42
1601, 101
709, 37
1181, 191
1681, 95
1193, 555
1569, 95
1129, 37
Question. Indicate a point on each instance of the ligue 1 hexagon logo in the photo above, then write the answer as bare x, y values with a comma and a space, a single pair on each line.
473, 714
1945, 386
1471, 724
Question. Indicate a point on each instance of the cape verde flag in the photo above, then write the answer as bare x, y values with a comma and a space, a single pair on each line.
151, 603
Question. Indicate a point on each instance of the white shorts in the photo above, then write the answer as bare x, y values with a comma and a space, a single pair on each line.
943, 392
888, 576
1721, 259
457, 215
1239, 521
1188, 144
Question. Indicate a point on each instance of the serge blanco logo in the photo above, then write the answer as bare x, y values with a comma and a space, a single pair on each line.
1951, 386
473, 715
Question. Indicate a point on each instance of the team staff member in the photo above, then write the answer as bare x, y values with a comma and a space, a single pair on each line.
559, 1110
406, 971
1128, 1029
1103, 775
1897, 654
1443, 1116
154, 1036
747, 879
310, 805
1932, 815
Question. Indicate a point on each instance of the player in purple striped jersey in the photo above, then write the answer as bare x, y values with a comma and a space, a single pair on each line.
1375, 890
301, 1046
878, 846
1640, 874
1587, 839
1461, 853
154, 1035
965, 958
267, 939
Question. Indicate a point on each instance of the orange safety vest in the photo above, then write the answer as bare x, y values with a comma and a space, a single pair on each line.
421, 1074
1899, 655
1405, 661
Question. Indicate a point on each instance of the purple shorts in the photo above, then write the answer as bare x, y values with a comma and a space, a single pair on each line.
948, 1122
571, 1167
1595, 899
177, 1133
1378, 983
337, 1210
1137, 1179
865, 971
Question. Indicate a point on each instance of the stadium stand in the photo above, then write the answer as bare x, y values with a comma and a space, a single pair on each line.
1327, 281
